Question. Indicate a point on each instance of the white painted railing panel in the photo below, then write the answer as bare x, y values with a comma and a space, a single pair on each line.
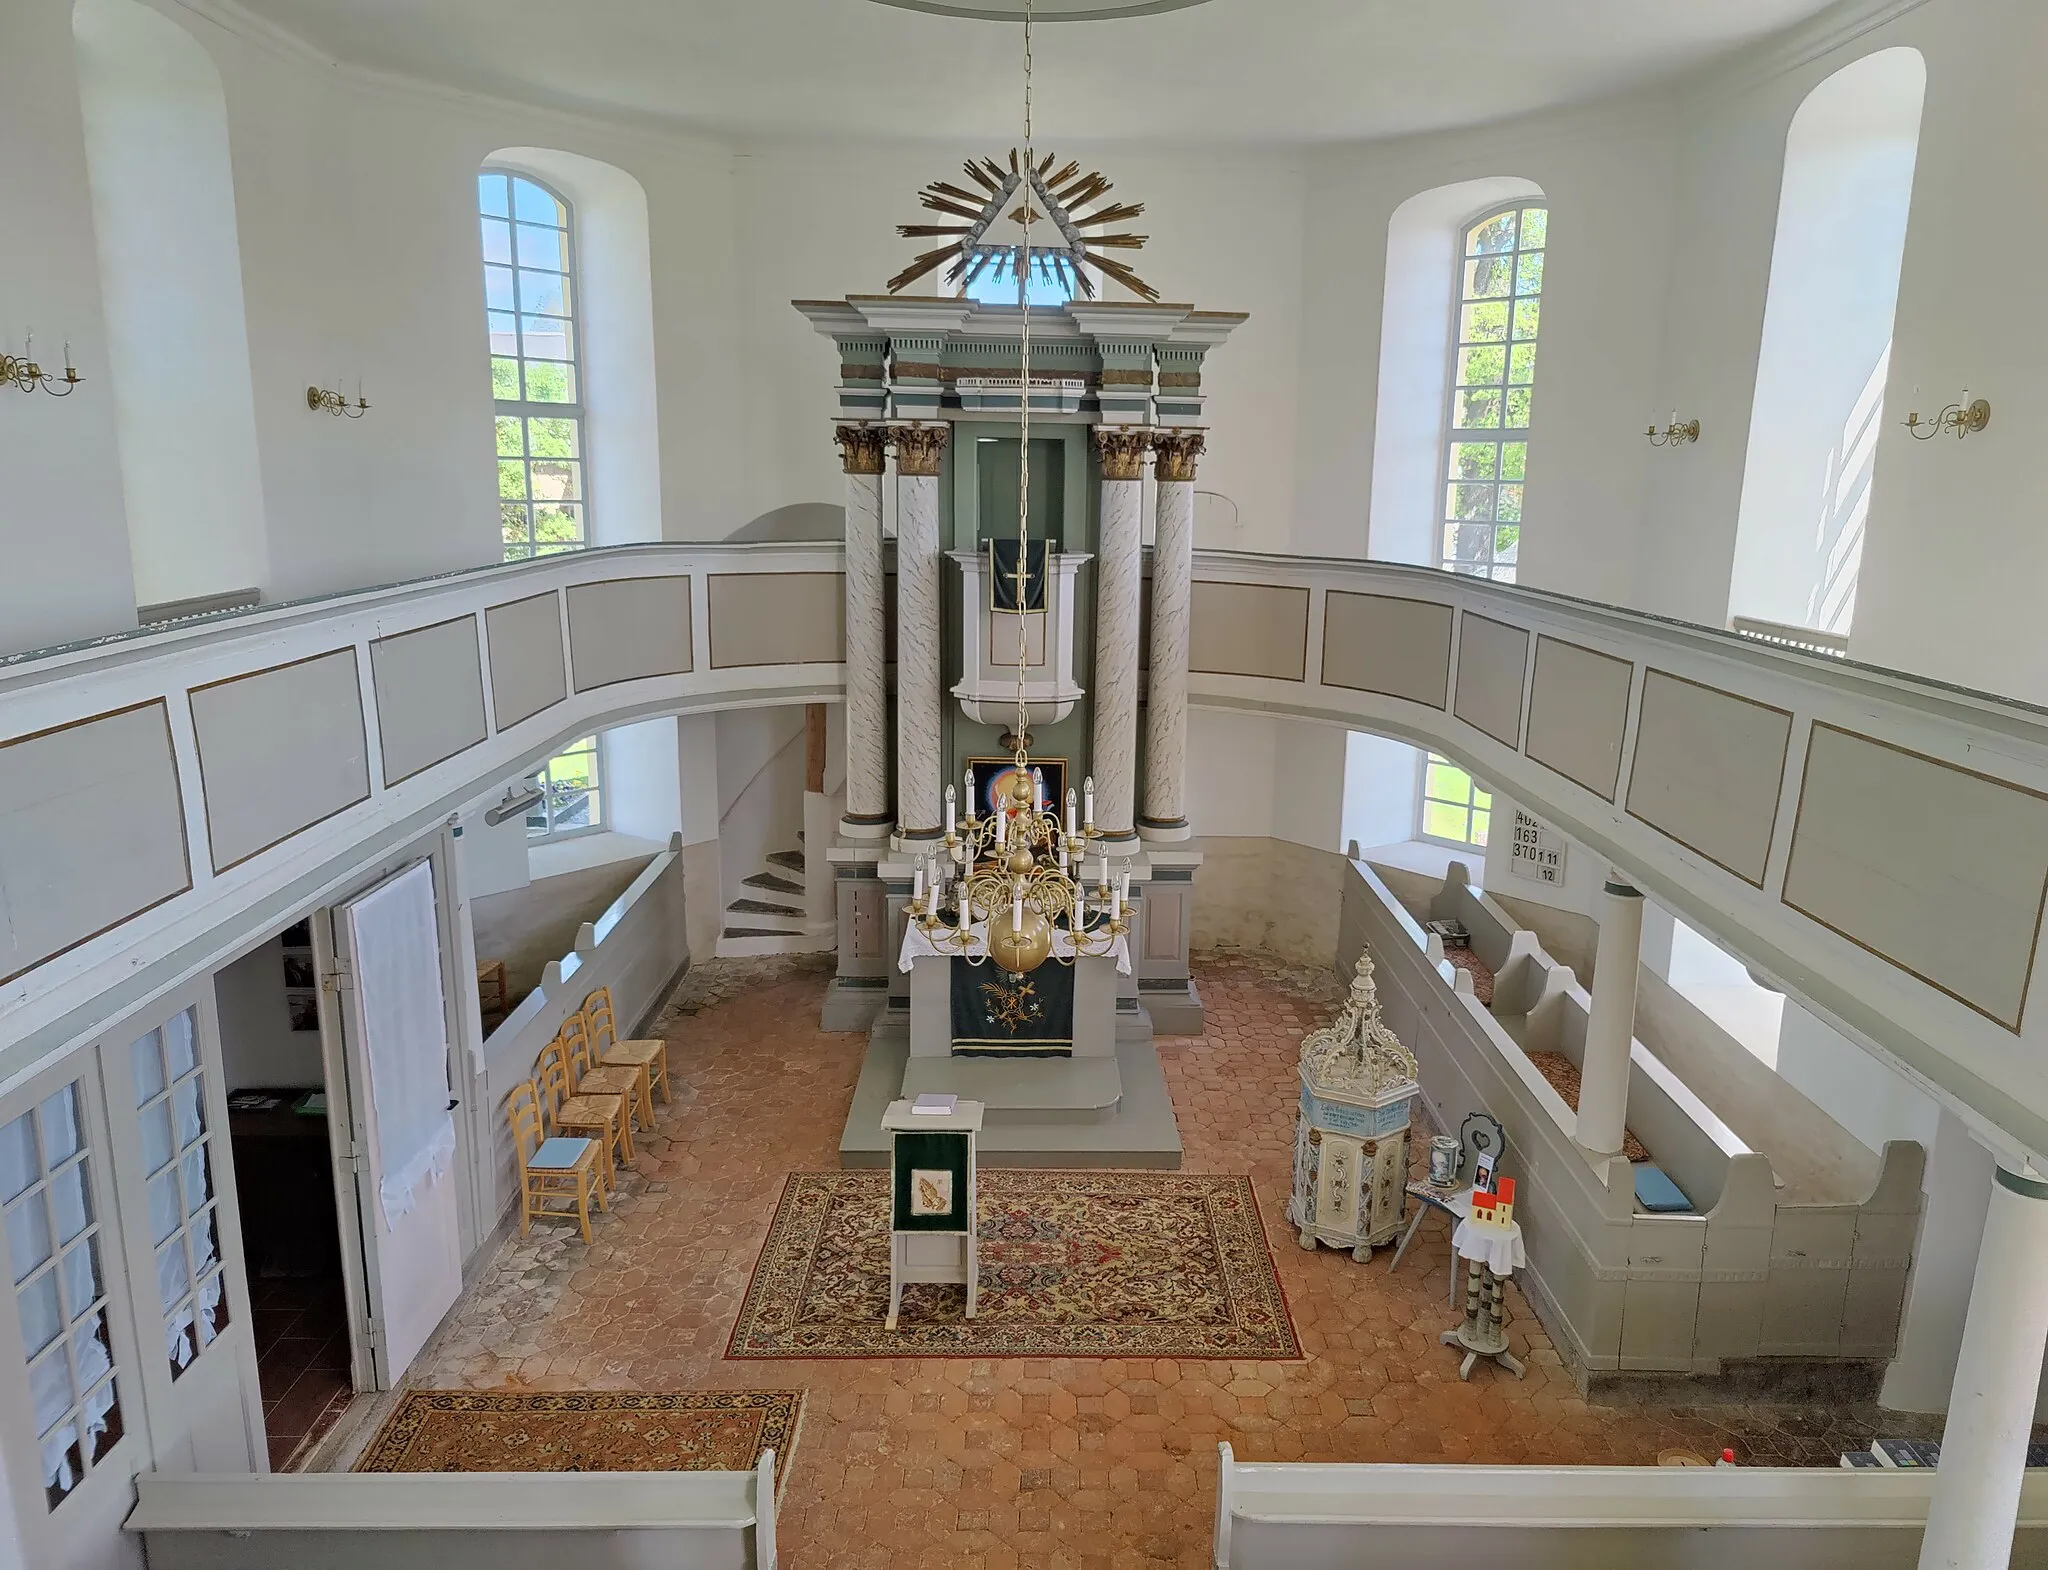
1314, 1516
1541, 695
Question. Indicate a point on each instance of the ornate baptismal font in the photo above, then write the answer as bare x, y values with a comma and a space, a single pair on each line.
1017, 945
1351, 1136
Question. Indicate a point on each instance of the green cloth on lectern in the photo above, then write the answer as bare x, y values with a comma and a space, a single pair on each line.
996, 1014
929, 1150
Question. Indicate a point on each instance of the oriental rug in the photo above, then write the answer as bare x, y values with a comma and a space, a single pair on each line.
586, 1431
1073, 1264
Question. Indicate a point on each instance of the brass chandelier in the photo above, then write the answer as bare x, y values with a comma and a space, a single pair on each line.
1020, 867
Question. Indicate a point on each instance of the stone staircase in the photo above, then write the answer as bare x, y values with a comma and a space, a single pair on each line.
770, 919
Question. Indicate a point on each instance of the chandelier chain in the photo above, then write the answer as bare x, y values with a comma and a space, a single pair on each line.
1024, 405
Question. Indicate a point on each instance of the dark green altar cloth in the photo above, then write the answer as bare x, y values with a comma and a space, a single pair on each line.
998, 1015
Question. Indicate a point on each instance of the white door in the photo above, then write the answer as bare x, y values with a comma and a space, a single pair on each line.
387, 952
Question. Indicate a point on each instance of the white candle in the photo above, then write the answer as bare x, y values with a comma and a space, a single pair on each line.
1088, 813
917, 888
970, 793
949, 811
1080, 907
1017, 911
1038, 790
1116, 906
1103, 881
965, 906
1127, 883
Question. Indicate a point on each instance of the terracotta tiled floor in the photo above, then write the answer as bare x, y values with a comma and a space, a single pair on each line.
1028, 1463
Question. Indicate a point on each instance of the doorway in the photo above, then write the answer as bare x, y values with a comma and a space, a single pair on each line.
278, 1130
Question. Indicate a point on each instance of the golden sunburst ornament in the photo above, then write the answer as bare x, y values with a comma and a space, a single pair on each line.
1063, 196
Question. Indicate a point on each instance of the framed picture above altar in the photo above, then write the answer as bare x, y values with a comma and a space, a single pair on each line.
990, 775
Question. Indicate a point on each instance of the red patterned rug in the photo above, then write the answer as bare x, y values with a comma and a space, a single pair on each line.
1073, 1264
586, 1431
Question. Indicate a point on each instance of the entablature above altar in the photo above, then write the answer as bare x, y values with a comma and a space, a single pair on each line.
927, 358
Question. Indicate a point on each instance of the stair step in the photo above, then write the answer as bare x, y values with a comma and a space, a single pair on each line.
762, 907
793, 860
768, 880
757, 932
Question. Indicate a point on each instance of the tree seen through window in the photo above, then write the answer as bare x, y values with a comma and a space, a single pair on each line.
530, 299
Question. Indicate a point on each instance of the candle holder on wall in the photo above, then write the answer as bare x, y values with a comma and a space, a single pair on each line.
321, 399
22, 371
1675, 434
1965, 417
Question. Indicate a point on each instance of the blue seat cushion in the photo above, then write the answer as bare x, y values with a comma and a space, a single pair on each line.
1657, 1193
558, 1154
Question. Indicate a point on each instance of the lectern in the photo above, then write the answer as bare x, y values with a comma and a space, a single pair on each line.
931, 1199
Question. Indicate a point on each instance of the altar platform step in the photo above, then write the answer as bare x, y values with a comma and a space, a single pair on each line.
1022, 1090
1030, 1121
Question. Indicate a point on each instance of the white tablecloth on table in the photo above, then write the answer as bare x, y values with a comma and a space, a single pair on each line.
1498, 1248
916, 945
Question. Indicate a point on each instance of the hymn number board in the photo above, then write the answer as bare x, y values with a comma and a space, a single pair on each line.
1538, 851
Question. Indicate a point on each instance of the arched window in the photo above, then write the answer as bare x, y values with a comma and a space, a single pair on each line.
1492, 385
530, 294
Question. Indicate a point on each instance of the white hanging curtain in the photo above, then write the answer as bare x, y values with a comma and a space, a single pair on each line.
395, 943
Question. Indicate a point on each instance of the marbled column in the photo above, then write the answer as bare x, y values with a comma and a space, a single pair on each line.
1113, 758
867, 678
920, 772
1173, 572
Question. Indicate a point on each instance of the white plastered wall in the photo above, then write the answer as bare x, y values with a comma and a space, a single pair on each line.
156, 140
1817, 417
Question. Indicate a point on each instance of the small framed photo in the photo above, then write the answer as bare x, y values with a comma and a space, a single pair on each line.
931, 1192
304, 1008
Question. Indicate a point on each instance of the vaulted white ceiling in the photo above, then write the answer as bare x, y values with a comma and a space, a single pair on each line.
1271, 71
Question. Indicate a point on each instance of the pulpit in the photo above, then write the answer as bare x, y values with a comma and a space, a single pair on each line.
989, 624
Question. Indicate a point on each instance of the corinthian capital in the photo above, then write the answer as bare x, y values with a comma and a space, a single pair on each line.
1122, 451
1175, 453
860, 447
919, 447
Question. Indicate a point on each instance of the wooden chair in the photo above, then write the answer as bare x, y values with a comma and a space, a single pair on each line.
646, 1053
552, 1171
605, 1119
599, 1079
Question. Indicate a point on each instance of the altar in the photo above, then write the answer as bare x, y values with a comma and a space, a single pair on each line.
1018, 442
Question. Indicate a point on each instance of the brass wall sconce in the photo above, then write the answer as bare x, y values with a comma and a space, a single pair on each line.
1965, 417
23, 372
320, 398
1674, 434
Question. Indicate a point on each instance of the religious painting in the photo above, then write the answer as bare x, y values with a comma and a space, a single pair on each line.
931, 1191
992, 777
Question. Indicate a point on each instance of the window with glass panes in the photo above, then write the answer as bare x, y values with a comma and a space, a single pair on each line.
60, 1294
1493, 377
177, 1156
1456, 809
536, 374
571, 792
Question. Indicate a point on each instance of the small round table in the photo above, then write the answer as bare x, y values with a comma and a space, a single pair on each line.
1492, 1253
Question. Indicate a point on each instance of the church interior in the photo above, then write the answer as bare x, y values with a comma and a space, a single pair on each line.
988, 917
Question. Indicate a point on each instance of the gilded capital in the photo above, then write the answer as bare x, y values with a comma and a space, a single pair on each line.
1175, 453
1122, 451
860, 447
919, 447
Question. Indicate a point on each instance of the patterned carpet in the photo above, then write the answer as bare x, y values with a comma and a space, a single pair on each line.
586, 1431
1073, 1264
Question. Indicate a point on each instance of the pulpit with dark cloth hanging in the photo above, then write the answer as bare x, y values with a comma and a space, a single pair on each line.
998, 1015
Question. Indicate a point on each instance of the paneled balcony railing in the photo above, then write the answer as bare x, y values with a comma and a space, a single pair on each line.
1874, 843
